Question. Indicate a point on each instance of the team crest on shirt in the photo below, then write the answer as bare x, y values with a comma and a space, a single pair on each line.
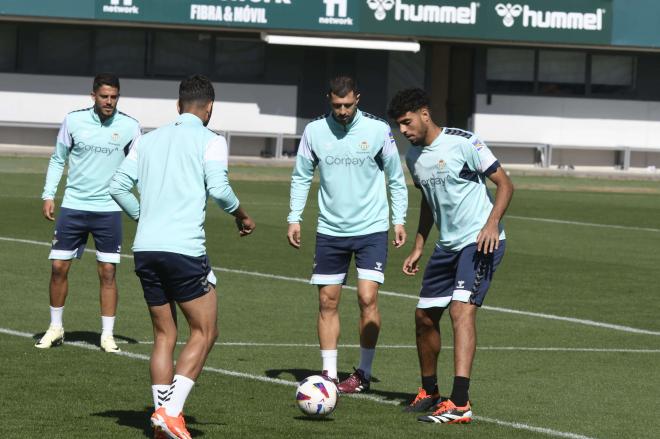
442, 164
115, 137
364, 145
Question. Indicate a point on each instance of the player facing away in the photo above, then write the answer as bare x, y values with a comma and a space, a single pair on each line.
93, 141
175, 168
450, 167
354, 153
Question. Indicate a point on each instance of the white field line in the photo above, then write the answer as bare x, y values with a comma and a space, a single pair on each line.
377, 399
579, 223
593, 323
399, 346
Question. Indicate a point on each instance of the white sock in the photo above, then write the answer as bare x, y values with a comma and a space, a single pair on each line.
179, 390
161, 394
366, 358
107, 325
329, 357
56, 316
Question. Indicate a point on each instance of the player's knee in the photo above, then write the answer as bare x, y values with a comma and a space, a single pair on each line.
209, 333
423, 322
460, 309
107, 274
368, 302
462, 313
165, 338
60, 270
328, 303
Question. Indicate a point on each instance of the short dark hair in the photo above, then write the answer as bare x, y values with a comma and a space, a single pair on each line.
411, 99
196, 89
105, 79
342, 85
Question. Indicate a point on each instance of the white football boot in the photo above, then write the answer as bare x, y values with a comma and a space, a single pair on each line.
53, 337
108, 344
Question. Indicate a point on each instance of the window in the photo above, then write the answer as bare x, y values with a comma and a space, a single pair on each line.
64, 51
180, 53
238, 59
510, 70
562, 72
7, 47
119, 51
612, 74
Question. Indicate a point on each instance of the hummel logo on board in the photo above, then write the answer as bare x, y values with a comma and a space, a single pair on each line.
509, 12
380, 7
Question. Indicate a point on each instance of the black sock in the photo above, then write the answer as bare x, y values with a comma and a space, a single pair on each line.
459, 394
430, 384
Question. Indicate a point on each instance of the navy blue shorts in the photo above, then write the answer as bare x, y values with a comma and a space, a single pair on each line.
167, 276
464, 276
333, 256
72, 228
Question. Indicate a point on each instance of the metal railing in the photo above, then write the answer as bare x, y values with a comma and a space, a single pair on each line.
543, 157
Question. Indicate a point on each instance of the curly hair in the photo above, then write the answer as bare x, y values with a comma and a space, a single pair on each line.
411, 99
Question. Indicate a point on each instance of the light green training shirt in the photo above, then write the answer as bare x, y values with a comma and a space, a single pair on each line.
354, 162
176, 168
93, 150
451, 173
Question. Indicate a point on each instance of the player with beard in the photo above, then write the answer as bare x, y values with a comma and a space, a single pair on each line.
93, 141
176, 167
358, 161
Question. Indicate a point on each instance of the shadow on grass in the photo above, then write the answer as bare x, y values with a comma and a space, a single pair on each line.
312, 419
300, 374
89, 337
139, 419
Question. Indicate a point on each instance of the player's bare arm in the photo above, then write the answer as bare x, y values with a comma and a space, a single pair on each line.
244, 223
293, 235
400, 236
488, 239
48, 210
411, 263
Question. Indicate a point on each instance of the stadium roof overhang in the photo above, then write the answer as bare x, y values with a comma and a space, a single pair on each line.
616, 24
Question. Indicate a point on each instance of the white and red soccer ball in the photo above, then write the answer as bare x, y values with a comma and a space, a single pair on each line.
316, 396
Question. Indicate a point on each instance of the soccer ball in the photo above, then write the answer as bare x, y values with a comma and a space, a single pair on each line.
316, 396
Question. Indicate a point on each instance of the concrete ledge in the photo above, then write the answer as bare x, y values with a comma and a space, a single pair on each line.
605, 172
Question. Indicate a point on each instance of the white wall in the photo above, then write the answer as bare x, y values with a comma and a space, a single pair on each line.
579, 122
45, 100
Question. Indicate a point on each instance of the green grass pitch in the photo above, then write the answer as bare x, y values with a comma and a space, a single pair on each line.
591, 373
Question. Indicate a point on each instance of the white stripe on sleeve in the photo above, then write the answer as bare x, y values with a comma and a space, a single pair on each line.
216, 150
486, 157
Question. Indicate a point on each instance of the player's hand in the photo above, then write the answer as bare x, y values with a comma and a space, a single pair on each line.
488, 239
48, 210
399, 236
293, 235
411, 264
245, 225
